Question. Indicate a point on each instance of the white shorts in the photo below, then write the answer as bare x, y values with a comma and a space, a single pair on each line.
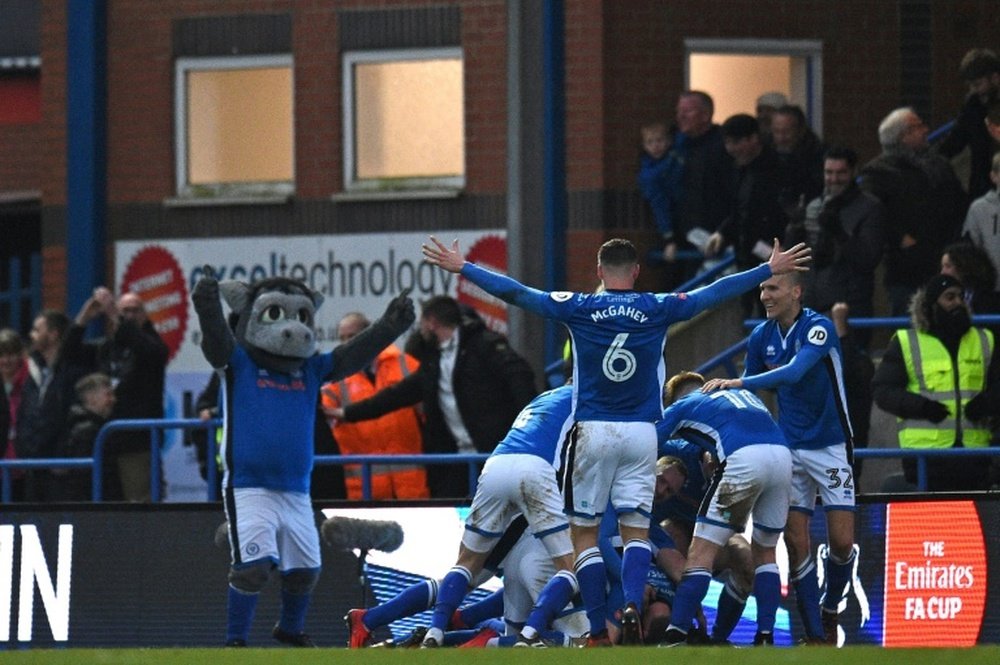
755, 481
824, 472
613, 461
279, 526
517, 484
527, 568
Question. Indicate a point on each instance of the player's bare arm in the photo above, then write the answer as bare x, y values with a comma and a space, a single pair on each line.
795, 258
439, 254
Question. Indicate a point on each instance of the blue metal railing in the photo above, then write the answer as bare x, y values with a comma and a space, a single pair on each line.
893, 321
922, 456
470, 460
96, 461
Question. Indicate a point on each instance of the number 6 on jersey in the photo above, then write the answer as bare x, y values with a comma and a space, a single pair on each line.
618, 355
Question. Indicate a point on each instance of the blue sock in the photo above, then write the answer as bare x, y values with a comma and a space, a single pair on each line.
635, 569
451, 591
293, 611
593, 587
838, 574
731, 604
506, 640
412, 600
690, 592
481, 610
555, 595
240, 614
807, 597
767, 591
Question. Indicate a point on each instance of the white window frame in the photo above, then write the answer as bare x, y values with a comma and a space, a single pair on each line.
809, 49
265, 190
447, 185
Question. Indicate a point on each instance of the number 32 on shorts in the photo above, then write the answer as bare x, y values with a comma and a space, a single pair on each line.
843, 477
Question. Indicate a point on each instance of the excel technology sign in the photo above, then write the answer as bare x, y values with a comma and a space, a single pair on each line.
356, 272
935, 575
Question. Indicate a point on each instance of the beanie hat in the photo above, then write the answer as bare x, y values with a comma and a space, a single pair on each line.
937, 285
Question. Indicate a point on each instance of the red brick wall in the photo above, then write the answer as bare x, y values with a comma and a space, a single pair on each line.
21, 164
585, 156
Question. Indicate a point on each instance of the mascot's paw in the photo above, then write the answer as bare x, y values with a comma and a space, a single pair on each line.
400, 313
207, 286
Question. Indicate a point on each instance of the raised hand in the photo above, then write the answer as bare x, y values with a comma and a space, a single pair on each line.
400, 313
796, 258
438, 254
207, 286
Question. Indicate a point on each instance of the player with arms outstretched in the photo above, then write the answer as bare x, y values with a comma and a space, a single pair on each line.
617, 339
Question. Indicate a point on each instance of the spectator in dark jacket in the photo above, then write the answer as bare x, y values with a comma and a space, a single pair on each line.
46, 398
980, 69
756, 217
923, 202
135, 358
472, 385
845, 227
800, 159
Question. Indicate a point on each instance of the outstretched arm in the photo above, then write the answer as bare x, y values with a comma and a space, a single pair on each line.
503, 287
352, 356
794, 259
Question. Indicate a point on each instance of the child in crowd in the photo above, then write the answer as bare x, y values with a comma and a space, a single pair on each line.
95, 402
660, 172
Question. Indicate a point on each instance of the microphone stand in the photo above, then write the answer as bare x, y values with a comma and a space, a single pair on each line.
363, 576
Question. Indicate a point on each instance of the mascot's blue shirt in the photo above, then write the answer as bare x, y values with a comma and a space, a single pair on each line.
260, 450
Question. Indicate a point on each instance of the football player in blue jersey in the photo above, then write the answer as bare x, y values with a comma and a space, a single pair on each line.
617, 338
677, 512
796, 352
518, 478
753, 480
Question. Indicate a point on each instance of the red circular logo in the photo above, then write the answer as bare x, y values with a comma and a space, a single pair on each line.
488, 252
154, 275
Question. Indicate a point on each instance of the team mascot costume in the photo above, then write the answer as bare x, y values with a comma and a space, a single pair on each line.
266, 355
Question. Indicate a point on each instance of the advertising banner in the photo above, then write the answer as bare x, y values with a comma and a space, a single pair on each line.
127, 576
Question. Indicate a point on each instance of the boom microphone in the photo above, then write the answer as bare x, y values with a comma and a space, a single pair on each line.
349, 533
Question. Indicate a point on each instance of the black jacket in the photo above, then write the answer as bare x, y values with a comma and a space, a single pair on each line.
756, 213
492, 384
135, 358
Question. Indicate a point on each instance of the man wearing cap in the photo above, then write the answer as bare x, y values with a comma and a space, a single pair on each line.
936, 408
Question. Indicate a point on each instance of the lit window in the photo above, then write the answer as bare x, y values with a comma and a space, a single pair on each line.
404, 123
234, 126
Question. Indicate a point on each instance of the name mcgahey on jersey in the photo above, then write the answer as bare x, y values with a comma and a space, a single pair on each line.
619, 310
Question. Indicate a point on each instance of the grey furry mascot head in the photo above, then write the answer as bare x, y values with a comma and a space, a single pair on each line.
274, 320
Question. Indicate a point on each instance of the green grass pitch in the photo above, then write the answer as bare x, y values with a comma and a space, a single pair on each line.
615, 656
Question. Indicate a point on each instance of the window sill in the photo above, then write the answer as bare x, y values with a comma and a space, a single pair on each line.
395, 195
210, 201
